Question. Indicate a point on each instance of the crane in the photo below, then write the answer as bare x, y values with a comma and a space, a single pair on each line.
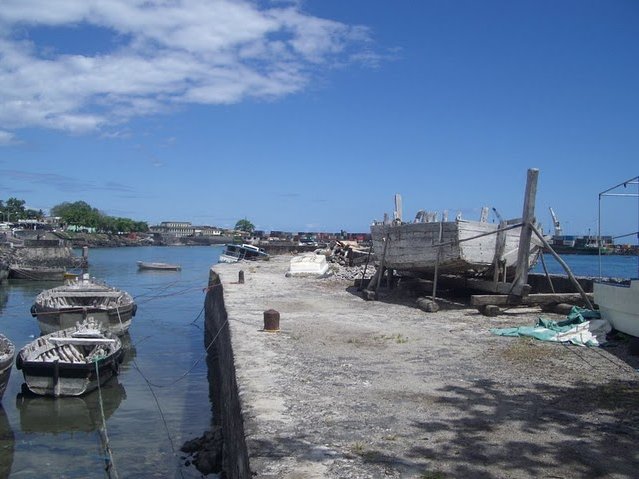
555, 222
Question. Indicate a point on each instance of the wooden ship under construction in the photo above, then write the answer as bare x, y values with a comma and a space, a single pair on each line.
491, 258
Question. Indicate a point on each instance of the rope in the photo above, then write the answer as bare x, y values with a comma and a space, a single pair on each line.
108, 459
157, 403
187, 372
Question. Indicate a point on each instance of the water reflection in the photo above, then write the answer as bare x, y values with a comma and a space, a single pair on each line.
130, 350
4, 297
7, 443
43, 414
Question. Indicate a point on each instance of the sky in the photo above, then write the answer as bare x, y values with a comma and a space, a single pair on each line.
311, 115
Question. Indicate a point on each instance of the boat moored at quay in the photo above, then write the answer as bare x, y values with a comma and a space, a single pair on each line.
64, 306
7, 352
72, 361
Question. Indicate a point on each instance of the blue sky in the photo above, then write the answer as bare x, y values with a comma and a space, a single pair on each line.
311, 115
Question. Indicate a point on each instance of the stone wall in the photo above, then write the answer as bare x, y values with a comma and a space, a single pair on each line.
227, 411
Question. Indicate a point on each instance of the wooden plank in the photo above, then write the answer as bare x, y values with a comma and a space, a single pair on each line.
500, 246
82, 340
484, 285
87, 294
530, 300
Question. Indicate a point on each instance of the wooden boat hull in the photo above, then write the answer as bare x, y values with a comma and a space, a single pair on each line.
37, 274
58, 376
71, 380
64, 306
619, 304
413, 247
117, 320
7, 353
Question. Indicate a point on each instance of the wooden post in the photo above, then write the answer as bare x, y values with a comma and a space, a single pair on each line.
439, 251
500, 245
528, 219
381, 262
397, 215
543, 264
565, 266
368, 257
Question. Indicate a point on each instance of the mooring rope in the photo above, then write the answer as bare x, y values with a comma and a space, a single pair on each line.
188, 371
108, 459
157, 403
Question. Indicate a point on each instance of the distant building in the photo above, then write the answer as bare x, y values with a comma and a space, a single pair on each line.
207, 231
174, 228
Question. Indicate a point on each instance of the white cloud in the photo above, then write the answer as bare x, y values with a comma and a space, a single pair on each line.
164, 53
6, 138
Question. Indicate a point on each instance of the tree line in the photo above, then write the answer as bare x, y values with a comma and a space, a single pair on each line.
78, 213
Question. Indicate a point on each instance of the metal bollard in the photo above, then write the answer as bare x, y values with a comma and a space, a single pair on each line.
271, 320
240, 278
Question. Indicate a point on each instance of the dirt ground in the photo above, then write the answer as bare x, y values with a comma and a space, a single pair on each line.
381, 389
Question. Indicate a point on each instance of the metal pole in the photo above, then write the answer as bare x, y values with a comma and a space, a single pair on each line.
599, 235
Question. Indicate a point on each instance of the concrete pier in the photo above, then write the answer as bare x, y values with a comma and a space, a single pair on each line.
349, 388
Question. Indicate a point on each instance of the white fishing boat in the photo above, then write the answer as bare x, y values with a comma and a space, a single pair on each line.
64, 306
7, 352
72, 361
618, 302
238, 252
155, 266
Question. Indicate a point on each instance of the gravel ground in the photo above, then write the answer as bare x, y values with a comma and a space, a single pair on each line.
381, 389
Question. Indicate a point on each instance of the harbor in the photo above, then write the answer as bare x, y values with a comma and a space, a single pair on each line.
66, 436
353, 388
395, 358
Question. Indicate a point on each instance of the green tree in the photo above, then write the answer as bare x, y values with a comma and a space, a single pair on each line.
14, 209
244, 225
81, 213
78, 213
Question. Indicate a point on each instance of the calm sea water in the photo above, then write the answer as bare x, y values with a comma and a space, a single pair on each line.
146, 425
614, 266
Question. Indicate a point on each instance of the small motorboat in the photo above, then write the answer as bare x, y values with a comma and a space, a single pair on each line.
142, 265
238, 252
7, 352
64, 306
72, 361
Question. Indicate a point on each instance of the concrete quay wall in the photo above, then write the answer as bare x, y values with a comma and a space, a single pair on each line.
355, 389
222, 381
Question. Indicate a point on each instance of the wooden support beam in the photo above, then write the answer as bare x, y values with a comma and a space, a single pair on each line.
573, 280
484, 285
530, 300
528, 217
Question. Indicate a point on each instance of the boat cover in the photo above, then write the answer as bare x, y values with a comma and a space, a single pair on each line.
582, 327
